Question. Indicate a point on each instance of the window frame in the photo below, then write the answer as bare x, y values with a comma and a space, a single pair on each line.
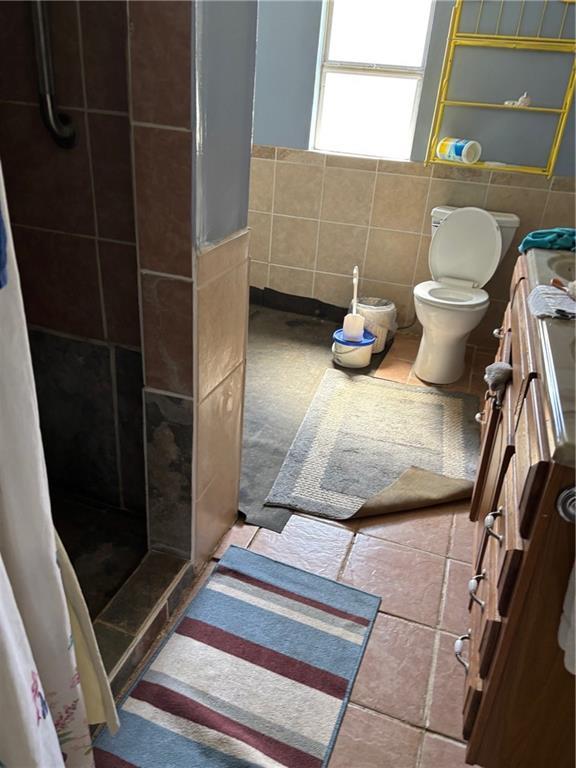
327, 66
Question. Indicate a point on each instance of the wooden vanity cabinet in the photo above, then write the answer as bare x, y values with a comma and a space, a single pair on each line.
519, 698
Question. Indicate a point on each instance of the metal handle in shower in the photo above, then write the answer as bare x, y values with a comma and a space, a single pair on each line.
58, 124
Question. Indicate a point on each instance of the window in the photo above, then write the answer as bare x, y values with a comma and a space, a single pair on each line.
372, 70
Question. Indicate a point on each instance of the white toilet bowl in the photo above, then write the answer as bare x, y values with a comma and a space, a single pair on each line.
447, 316
466, 249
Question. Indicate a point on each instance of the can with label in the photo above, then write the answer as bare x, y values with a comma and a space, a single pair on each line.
459, 150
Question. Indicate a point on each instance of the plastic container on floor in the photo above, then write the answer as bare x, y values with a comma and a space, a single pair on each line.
352, 354
380, 319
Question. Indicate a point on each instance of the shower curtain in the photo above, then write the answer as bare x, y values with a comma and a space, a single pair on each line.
43, 712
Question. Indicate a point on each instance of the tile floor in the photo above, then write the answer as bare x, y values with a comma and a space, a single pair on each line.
405, 708
406, 704
398, 365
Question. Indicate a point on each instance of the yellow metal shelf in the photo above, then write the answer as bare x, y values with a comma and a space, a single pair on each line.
458, 38
489, 105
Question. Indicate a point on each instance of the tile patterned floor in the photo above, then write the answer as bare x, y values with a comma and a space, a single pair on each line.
405, 707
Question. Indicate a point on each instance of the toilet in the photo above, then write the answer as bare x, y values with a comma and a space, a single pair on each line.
466, 249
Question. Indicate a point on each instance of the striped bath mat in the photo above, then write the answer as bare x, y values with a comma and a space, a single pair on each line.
257, 673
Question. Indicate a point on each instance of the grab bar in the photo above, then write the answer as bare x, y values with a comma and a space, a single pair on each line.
58, 124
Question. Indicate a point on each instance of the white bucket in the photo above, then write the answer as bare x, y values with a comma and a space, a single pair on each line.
380, 319
352, 354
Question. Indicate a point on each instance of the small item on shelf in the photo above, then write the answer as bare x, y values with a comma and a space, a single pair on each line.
523, 101
459, 150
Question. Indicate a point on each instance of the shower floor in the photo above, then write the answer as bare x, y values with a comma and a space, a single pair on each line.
104, 544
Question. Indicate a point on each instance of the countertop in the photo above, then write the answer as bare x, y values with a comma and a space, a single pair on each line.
558, 349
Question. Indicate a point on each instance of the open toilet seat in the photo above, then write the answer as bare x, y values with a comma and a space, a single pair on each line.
439, 294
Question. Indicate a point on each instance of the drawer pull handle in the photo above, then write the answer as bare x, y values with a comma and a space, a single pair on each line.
489, 521
498, 333
459, 647
473, 588
479, 418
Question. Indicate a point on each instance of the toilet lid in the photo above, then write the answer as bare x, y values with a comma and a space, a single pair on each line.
467, 246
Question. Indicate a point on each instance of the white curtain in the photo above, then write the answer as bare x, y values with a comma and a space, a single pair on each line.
43, 721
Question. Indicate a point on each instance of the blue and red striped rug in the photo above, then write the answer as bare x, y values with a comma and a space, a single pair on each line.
257, 673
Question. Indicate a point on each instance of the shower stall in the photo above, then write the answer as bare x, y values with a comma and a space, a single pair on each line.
125, 137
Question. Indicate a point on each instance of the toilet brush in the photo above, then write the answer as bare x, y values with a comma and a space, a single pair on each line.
353, 326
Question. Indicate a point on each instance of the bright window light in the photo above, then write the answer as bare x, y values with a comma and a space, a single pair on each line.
372, 70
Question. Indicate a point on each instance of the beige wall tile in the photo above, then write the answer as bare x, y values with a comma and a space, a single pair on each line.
461, 173
222, 307
399, 202
347, 196
258, 274
356, 163
401, 295
264, 152
405, 169
298, 282
528, 204
214, 260
220, 435
340, 247
298, 190
261, 184
260, 229
422, 267
333, 289
458, 193
303, 156
563, 184
391, 256
294, 242
559, 211
526, 180
498, 286
219, 430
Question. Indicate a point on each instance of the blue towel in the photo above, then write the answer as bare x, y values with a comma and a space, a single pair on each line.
558, 239
3, 256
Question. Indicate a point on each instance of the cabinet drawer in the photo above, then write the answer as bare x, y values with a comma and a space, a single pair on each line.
503, 548
491, 442
485, 619
473, 693
532, 459
523, 344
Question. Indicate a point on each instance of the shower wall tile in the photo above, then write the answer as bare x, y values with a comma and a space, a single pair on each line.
129, 388
75, 397
167, 328
66, 60
47, 187
163, 192
261, 185
119, 266
161, 87
18, 81
460, 193
104, 38
340, 247
169, 466
298, 190
111, 159
59, 276
391, 256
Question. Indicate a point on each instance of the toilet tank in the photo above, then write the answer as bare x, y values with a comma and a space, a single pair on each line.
508, 222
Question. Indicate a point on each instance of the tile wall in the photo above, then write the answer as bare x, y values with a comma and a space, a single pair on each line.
314, 216
73, 224
162, 137
222, 322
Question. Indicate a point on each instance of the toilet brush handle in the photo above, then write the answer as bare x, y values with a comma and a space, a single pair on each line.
355, 293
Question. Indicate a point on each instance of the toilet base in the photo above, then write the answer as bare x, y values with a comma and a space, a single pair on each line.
440, 361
